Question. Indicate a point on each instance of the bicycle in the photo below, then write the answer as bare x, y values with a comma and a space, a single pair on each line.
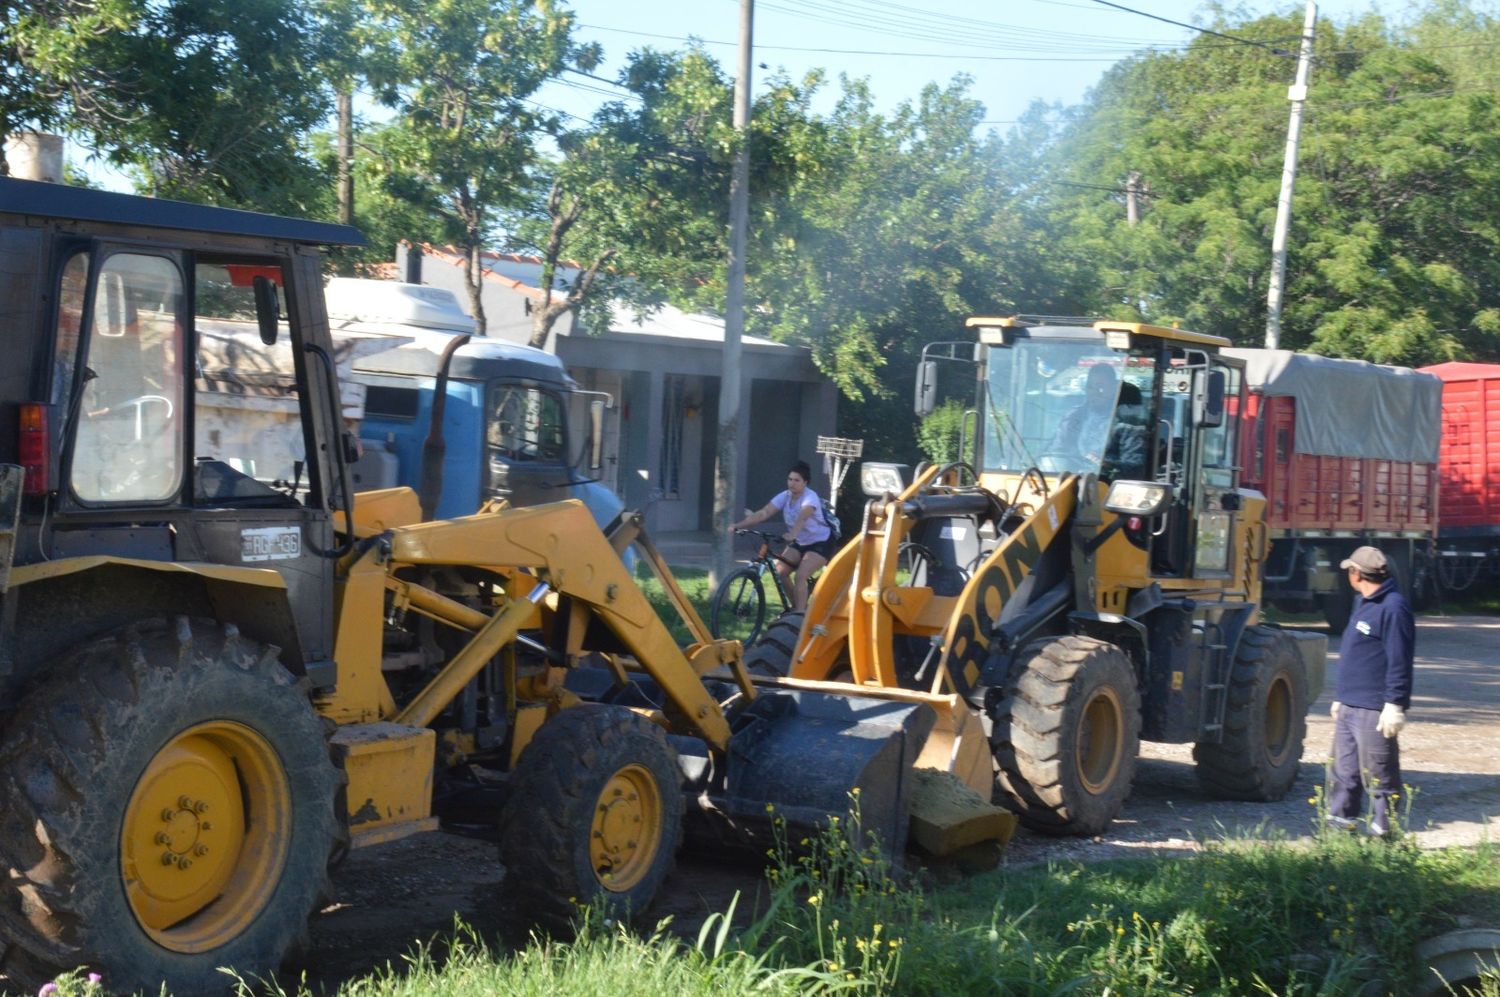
738, 609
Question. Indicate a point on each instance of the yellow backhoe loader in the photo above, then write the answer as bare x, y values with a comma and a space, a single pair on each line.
219, 669
1090, 580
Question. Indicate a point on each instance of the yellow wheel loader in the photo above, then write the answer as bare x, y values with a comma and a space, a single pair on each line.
220, 670
1091, 580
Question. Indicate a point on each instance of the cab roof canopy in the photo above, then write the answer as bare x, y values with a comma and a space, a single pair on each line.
1048, 326
51, 200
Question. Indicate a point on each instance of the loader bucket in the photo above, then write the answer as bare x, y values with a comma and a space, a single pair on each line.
803, 757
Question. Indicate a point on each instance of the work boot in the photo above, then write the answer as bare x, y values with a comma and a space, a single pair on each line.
1348, 825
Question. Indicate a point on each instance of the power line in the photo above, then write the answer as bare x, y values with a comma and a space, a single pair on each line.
963, 30
949, 56
1193, 27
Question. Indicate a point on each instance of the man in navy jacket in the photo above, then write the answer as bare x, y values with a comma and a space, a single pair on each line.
1374, 691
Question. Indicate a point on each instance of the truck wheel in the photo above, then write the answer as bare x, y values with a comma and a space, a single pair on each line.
772, 654
1066, 734
167, 807
1337, 606
1265, 722
594, 816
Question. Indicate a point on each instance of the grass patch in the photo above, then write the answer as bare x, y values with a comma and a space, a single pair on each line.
1245, 916
694, 584
1337, 915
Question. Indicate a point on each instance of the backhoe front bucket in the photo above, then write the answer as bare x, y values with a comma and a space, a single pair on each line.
799, 758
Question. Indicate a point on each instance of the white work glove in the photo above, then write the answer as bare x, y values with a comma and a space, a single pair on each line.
1392, 719
1333, 709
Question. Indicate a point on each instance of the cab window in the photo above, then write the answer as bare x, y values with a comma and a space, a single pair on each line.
128, 446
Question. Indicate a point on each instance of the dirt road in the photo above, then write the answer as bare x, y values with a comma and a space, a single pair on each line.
391, 895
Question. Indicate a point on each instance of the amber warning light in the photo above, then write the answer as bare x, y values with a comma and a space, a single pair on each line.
35, 447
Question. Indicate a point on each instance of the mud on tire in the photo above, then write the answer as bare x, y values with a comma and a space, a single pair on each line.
1265, 722
566, 832
93, 769
1066, 732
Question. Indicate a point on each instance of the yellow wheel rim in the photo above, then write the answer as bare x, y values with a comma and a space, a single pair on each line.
1279, 721
206, 835
626, 831
1101, 741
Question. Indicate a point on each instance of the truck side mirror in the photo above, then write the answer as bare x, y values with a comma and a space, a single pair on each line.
926, 387
1208, 400
596, 434
267, 308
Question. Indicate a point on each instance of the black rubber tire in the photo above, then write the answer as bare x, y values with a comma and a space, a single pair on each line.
772, 654
1265, 722
73, 755
738, 610
546, 825
1042, 728
1337, 606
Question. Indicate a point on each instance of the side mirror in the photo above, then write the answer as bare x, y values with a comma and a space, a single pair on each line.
926, 387
267, 308
1208, 400
1138, 498
596, 434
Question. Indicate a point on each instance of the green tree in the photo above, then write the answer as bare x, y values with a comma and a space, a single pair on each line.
1392, 254
459, 75
200, 100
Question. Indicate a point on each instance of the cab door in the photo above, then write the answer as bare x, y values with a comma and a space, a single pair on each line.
1193, 451
188, 437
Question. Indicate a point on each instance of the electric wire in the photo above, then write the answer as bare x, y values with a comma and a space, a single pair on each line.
1207, 31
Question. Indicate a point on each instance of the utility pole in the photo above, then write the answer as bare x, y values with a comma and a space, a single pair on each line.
346, 157
726, 476
1297, 94
1132, 198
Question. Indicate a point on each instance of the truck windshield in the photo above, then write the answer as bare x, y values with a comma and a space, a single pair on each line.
1065, 406
526, 424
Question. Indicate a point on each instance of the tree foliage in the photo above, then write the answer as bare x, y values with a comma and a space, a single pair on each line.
1392, 251
203, 101
459, 74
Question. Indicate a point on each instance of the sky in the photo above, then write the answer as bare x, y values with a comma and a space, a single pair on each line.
1017, 51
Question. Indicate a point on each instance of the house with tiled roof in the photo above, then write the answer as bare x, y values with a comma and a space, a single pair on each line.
663, 370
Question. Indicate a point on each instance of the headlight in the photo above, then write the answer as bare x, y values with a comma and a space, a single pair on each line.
877, 479
1138, 498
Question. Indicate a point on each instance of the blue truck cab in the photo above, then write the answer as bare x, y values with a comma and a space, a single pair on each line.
514, 425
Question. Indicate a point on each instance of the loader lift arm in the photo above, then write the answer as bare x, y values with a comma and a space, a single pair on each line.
541, 549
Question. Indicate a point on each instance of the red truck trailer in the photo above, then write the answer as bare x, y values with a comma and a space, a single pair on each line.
1346, 453
1468, 540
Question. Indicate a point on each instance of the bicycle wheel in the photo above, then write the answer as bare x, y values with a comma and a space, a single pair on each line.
739, 608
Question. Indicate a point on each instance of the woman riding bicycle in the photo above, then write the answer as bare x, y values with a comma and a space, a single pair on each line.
809, 545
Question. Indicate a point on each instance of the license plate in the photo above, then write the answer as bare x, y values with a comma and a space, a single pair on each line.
271, 543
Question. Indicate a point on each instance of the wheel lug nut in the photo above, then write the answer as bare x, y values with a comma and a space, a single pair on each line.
184, 802
184, 863
200, 851
163, 838
168, 858
167, 814
201, 807
206, 826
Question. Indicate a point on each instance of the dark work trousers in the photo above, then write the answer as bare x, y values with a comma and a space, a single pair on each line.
1363, 760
